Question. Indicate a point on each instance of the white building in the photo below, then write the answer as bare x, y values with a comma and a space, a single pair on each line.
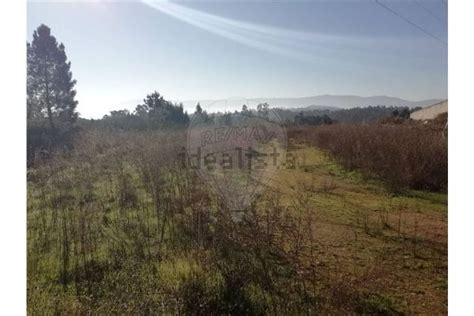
430, 112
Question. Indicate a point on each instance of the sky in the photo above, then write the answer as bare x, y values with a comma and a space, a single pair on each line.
201, 50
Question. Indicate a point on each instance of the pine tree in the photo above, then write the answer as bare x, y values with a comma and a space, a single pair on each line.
198, 109
50, 87
245, 110
263, 109
158, 112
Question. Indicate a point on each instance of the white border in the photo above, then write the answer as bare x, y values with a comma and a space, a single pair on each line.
13, 161
13, 158
461, 160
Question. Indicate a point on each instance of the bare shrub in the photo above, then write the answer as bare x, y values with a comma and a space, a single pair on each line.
405, 155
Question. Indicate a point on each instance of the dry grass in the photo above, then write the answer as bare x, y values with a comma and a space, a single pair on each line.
119, 226
404, 155
375, 248
108, 221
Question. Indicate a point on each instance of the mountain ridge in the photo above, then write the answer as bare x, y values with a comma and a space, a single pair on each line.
315, 102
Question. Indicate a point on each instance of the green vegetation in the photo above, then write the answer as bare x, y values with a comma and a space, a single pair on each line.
118, 226
51, 104
354, 115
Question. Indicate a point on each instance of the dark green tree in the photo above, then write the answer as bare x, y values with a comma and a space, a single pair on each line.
245, 110
202, 115
50, 87
403, 112
198, 109
263, 109
158, 112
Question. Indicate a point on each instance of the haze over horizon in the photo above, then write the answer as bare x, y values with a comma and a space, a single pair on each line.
322, 101
121, 51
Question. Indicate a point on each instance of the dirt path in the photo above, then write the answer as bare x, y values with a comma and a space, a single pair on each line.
393, 246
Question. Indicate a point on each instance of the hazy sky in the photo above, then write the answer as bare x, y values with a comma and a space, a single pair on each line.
120, 51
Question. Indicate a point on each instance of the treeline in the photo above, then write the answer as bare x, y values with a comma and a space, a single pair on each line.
155, 119
354, 115
154, 113
157, 113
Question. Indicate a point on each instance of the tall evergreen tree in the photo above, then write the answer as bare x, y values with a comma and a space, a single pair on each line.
198, 109
245, 110
262, 109
50, 87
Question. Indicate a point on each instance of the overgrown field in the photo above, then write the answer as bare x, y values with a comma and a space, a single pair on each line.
119, 225
406, 154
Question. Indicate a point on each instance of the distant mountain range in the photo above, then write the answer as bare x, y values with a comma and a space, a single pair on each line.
320, 102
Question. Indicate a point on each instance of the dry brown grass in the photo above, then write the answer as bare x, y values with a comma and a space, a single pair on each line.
410, 155
119, 226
